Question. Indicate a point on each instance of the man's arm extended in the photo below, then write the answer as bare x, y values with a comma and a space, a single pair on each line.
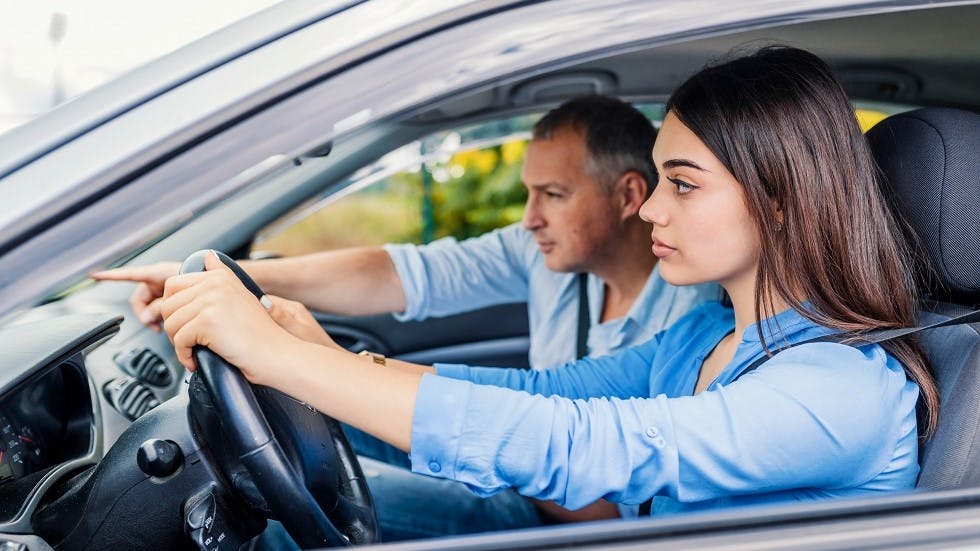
357, 281
354, 282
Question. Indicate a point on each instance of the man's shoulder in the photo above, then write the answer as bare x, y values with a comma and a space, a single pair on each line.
513, 241
517, 238
512, 245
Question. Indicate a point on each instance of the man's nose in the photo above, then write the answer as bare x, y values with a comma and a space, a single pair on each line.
532, 218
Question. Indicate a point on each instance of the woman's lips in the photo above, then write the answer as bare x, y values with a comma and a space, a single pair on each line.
661, 250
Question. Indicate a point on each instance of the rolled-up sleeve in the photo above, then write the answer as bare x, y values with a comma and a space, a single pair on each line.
816, 416
448, 277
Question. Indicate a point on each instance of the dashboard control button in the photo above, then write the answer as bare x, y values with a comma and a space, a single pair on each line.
159, 458
208, 524
200, 513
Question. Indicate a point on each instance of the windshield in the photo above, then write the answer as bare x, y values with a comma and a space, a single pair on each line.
52, 51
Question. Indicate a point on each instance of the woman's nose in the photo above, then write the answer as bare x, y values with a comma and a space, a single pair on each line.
652, 210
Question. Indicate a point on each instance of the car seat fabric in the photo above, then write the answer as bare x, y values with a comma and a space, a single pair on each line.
951, 458
929, 158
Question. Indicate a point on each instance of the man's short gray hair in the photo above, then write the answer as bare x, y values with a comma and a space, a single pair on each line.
618, 138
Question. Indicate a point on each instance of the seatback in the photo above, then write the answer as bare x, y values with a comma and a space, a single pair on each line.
931, 162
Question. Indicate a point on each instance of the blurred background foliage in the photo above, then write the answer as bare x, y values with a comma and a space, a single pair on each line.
461, 194
461, 183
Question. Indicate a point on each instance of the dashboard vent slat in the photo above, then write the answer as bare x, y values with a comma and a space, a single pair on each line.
146, 365
129, 397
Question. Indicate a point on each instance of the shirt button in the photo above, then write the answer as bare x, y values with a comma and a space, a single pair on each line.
434, 466
660, 442
652, 432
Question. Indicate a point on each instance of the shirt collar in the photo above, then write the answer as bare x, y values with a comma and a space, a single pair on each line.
781, 328
642, 304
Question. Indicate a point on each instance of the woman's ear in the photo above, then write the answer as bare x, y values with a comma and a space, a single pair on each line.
778, 213
632, 191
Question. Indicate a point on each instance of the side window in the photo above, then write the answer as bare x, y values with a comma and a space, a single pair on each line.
460, 183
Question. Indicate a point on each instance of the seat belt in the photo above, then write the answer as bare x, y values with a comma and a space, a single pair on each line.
871, 337
582, 335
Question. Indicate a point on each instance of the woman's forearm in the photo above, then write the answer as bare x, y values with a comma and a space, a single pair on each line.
354, 390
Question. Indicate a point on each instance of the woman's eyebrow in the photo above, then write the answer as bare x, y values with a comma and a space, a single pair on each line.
675, 163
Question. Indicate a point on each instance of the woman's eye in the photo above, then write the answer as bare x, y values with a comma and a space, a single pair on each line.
682, 186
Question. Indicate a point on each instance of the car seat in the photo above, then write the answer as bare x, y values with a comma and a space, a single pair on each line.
931, 163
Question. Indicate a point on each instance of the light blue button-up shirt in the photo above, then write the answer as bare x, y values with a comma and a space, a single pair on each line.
448, 277
816, 421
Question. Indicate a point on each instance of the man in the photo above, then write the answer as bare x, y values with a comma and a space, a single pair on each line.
588, 168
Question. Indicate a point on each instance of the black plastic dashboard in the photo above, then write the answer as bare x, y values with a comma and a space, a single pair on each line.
49, 409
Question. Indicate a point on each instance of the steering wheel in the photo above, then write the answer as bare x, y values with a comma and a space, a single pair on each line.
298, 462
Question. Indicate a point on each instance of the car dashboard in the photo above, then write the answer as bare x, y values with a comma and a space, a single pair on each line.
49, 409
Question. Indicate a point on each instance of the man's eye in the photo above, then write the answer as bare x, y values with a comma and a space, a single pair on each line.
682, 186
552, 195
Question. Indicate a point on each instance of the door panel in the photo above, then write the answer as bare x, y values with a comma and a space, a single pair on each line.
494, 336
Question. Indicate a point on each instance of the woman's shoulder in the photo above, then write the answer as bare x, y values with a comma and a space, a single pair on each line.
865, 381
830, 354
834, 368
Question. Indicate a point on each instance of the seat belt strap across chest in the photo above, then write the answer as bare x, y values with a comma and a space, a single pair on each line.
582, 335
871, 337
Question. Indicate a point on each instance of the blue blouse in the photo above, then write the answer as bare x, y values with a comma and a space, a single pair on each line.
818, 420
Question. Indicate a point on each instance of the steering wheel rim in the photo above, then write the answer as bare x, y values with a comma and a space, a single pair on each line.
277, 478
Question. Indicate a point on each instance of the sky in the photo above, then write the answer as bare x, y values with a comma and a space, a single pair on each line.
51, 50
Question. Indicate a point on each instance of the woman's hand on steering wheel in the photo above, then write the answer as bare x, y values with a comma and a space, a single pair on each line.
295, 318
216, 317
214, 309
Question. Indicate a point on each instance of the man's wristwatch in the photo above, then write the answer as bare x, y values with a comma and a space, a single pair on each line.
378, 359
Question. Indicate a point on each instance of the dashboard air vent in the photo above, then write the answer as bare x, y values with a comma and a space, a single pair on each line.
129, 397
146, 366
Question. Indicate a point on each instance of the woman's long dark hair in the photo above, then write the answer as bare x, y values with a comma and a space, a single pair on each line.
781, 123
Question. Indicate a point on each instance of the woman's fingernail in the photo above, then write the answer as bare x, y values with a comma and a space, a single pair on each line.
266, 302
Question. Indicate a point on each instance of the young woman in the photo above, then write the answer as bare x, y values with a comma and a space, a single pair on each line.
765, 186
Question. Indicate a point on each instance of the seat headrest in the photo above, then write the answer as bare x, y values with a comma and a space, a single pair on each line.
931, 162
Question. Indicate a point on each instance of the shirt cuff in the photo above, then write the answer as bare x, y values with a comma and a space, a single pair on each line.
408, 265
453, 371
628, 511
437, 425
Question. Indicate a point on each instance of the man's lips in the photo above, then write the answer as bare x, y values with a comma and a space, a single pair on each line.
661, 249
546, 246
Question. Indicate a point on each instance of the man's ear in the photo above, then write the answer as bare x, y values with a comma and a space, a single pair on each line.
631, 190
